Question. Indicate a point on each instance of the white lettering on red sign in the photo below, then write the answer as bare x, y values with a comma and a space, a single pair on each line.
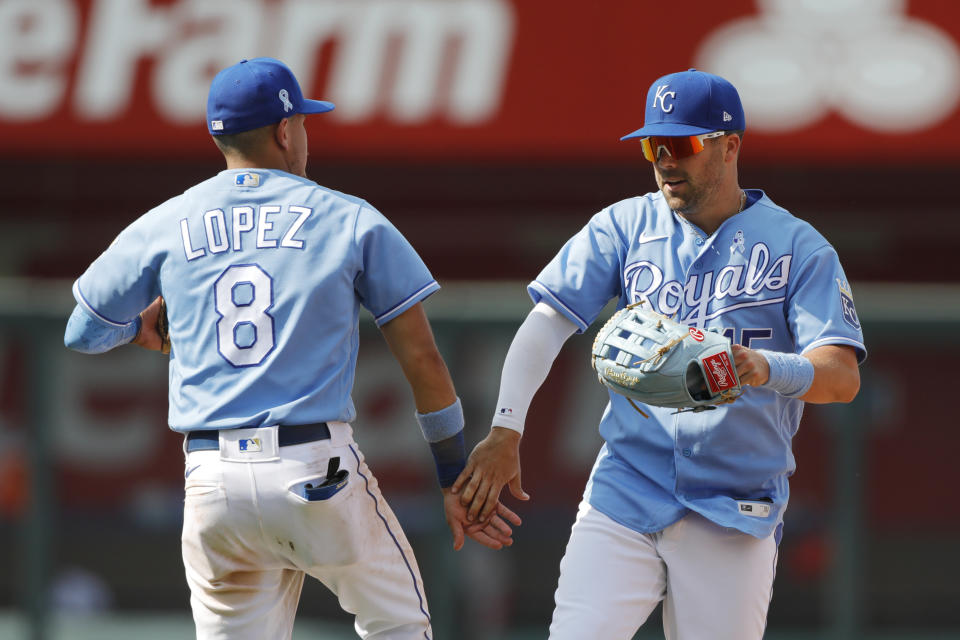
36, 40
408, 60
897, 73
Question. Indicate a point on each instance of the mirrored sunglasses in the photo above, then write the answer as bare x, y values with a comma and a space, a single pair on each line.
675, 146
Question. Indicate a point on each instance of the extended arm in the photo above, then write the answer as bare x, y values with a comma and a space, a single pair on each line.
836, 376
87, 333
495, 461
438, 410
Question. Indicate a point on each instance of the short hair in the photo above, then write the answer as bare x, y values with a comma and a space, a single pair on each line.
244, 143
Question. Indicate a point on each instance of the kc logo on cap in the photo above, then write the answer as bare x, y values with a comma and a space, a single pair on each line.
690, 103
663, 94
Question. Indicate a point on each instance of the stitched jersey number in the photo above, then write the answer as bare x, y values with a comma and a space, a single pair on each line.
748, 335
242, 296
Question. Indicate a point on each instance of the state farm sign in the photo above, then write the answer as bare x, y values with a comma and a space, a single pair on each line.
407, 59
447, 79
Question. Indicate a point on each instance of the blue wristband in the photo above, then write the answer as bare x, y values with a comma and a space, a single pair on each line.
444, 431
442, 424
791, 375
450, 456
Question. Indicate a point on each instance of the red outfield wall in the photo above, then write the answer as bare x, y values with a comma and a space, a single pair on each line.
867, 82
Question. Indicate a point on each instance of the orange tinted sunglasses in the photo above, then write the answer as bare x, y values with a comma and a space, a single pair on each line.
675, 146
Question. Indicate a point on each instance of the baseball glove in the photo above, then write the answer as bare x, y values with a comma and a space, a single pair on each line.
649, 357
163, 327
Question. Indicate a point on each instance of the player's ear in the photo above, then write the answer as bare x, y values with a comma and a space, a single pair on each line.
281, 134
731, 148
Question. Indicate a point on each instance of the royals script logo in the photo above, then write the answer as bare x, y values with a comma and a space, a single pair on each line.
705, 296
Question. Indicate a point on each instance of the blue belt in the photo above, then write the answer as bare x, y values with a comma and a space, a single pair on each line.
287, 434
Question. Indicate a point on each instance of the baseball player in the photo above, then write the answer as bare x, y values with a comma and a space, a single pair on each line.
262, 273
683, 507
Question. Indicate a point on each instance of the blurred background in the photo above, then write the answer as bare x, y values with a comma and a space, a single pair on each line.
487, 131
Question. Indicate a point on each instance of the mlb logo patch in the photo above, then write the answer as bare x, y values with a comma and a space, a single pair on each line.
251, 445
247, 180
720, 373
846, 303
216, 125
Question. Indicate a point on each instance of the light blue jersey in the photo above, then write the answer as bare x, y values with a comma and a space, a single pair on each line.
767, 280
264, 274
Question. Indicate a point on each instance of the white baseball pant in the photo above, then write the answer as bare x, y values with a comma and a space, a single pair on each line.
715, 582
250, 536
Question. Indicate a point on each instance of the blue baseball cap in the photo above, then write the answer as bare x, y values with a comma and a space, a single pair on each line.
254, 93
689, 103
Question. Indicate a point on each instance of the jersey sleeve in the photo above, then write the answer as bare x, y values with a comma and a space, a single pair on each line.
88, 334
585, 274
120, 283
820, 308
392, 276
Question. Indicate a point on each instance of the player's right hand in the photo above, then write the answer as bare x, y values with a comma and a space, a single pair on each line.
752, 368
495, 534
494, 462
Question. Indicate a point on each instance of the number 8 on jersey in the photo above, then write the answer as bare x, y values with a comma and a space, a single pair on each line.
242, 296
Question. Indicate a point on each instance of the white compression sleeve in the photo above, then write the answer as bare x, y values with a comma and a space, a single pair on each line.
528, 361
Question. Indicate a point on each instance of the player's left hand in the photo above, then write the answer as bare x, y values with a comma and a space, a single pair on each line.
150, 336
495, 533
752, 368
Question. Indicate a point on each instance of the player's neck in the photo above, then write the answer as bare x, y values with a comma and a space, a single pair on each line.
261, 161
710, 220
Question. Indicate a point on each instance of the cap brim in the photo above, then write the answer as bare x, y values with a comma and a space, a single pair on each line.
316, 106
667, 129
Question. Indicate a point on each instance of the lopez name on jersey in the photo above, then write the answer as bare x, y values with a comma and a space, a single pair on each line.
269, 226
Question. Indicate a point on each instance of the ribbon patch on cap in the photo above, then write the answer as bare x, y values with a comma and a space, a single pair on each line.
285, 99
